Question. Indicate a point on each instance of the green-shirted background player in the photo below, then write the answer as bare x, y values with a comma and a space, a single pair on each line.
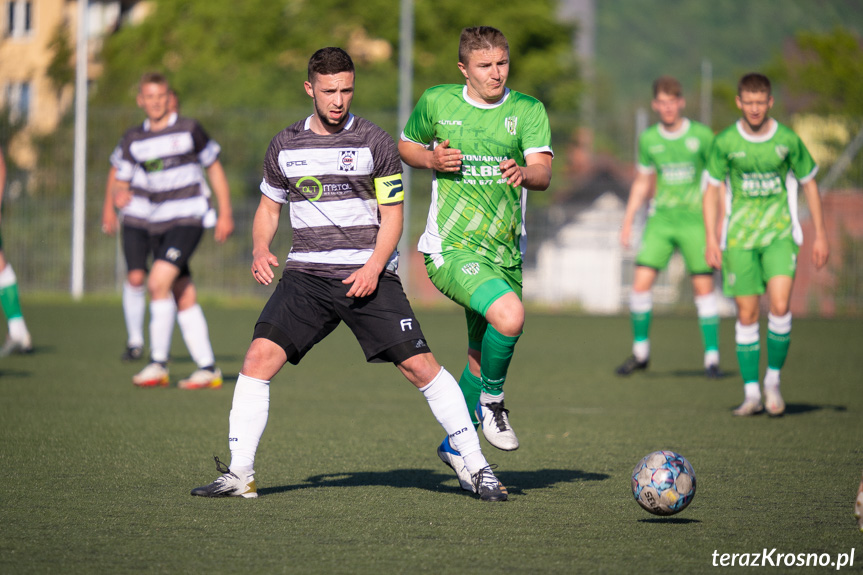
18, 338
671, 158
760, 161
487, 145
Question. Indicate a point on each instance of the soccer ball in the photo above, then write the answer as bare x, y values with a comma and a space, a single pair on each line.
663, 483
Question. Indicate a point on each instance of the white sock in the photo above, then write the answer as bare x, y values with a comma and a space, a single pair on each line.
134, 308
162, 314
18, 330
248, 419
193, 326
486, 398
641, 350
447, 404
751, 392
706, 307
779, 324
8, 277
771, 378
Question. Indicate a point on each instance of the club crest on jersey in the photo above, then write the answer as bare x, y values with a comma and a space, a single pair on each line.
510, 124
692, 144
782, 151
348, 161
470, 269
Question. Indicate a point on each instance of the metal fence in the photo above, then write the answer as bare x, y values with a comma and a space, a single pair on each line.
573, 255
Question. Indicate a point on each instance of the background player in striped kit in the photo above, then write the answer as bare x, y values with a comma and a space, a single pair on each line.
161, 189
671, 158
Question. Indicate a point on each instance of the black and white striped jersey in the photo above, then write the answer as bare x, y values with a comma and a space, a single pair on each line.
165, 171
333, 185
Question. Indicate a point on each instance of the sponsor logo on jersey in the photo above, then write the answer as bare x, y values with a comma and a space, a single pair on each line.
291, 163
449, 122
692, 144
740, 154
173, 254
657, 149
782, 151
310, 187
406, 324
510, 124
155, 165
470, 269
348, 161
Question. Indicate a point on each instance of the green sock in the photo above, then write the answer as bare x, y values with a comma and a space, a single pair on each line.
9, 301
497, 350
709, 332
640, 325
748, 356
777, 349
471, 386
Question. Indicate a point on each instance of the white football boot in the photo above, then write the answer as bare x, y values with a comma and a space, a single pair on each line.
230, 484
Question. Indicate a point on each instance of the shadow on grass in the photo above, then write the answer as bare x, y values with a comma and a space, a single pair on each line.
801, 408
673, 520
516, 481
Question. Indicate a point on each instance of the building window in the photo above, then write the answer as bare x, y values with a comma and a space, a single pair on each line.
19, 18
18, 99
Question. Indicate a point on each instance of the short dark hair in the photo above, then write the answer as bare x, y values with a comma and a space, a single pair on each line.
328, 61
667, 85
480, 38
153, 78
754, 82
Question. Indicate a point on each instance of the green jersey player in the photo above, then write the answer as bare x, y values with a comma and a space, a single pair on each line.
487, 146
761, 162
671, 158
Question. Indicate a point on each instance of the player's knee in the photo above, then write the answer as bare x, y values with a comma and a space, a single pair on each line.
420, 369
508, 318
264, 359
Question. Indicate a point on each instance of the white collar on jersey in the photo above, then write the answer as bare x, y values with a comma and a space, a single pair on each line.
484, 105
171, 121
684, 127
348, 125
774, 125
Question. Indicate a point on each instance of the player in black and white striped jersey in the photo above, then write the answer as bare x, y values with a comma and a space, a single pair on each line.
340, 175
162, 191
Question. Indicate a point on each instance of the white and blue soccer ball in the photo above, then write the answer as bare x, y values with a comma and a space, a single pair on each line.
663, 483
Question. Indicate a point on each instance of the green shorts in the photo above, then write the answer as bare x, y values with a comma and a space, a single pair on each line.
746, 272
670, 230
474, 283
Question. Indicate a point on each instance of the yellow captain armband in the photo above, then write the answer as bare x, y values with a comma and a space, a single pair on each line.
389, 189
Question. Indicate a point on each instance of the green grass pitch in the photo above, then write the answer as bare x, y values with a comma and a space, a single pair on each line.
96, 474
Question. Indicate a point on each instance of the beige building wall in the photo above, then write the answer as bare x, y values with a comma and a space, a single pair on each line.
25, 55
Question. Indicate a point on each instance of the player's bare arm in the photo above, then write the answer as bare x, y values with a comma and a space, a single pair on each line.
264, 228
713, 253
364, 281
219, 183
122, 194
109, 215
820, 246
639, 192
442, 158
534, 175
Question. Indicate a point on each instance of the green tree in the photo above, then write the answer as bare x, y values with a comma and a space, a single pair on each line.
824, 72
61, 70
253, 54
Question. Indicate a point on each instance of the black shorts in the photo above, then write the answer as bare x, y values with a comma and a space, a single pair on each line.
174, 246
304, 309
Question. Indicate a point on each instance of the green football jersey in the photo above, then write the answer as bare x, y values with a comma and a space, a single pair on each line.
475, 209
679, 159
761, 174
